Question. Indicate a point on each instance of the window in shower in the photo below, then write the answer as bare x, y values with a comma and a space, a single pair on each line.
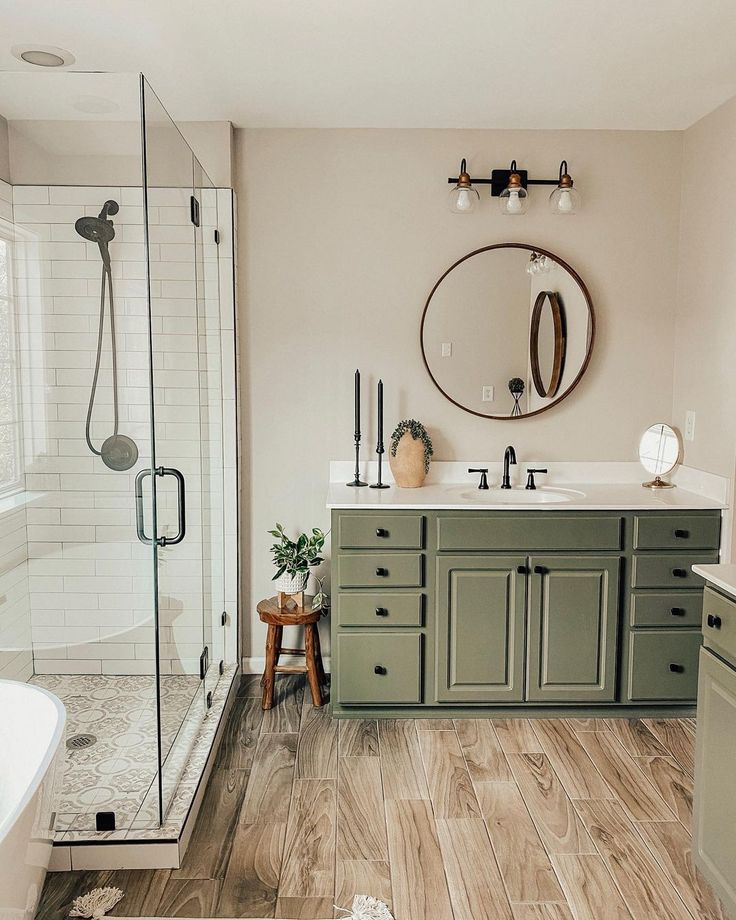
10, 457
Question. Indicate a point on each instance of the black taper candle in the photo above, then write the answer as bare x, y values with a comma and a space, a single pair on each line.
379, 443
357, 481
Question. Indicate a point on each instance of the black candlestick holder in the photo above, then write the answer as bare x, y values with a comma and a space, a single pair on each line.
357, 481
380, 484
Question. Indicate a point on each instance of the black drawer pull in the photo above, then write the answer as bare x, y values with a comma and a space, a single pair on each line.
381, 532
678, 611
676, 668
521, 569
381, 612
540, 570
381, 572
379, 669
679, 573
682, 534
713, 621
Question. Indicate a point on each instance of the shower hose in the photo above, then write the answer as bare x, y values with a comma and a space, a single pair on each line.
106, 278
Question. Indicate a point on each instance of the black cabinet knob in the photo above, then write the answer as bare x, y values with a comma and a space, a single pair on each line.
381, 572
679, 573
379, 669
381, 532
676, 668
713, 621
677, 611
682, 534
540, 570
521, 569
381, 612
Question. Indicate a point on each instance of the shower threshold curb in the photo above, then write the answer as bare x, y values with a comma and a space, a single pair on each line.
162, 847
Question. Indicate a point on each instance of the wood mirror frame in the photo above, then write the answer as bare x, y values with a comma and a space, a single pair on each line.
591, 331
560, 344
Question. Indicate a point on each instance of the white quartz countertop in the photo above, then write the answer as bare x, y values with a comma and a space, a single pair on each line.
577, 497
721, 574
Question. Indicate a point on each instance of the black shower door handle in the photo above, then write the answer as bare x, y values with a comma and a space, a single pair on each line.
181, 490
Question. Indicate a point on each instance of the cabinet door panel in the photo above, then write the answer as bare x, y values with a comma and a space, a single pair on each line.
573, 625
714, 841
480, 628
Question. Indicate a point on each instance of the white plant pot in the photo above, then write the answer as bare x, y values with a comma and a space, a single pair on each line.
291, 584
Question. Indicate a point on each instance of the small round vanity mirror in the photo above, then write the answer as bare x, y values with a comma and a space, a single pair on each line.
659, 451
507, 331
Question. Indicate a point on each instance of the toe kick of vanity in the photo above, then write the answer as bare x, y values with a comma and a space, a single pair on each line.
446, 611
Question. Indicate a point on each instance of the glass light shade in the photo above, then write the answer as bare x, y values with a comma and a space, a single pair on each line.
565, 200
513, 200
463, 199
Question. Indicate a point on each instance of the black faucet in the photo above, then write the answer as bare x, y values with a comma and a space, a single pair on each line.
509, 456
483, 484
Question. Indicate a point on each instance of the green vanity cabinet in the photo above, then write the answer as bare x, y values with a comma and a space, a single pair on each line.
480, 628
573, 628
471, 611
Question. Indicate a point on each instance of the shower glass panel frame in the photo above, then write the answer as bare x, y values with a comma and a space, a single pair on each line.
121, 568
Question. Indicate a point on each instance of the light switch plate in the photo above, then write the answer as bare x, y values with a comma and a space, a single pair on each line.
447, 349
487, 394
689, 425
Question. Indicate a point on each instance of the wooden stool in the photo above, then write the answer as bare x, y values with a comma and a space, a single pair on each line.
292, 615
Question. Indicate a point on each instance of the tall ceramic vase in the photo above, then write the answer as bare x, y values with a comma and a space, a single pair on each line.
407, 466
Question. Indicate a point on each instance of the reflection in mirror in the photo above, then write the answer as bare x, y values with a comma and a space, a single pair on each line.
507, 331
659, 451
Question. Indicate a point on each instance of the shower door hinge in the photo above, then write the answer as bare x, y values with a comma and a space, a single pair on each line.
209, 700
194, 210
221, 668
217, 237
204, 663
223, 618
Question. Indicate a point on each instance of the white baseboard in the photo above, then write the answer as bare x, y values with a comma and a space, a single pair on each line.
256, 665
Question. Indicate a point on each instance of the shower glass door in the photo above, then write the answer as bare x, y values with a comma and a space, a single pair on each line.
185, 409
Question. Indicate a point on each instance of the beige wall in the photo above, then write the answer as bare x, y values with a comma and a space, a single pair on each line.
342, 235
705, 344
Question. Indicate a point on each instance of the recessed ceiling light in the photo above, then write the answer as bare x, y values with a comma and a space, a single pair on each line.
43, 55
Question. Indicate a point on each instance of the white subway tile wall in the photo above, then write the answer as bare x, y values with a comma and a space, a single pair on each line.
87, 579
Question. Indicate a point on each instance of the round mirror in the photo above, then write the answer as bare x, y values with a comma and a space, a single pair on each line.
507, 331
659, 451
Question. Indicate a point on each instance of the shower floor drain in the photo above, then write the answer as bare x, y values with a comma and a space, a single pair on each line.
77, 742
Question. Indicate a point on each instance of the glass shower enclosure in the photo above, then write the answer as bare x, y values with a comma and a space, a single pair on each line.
115, 386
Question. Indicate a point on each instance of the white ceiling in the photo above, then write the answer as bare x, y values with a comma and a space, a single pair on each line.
633, 64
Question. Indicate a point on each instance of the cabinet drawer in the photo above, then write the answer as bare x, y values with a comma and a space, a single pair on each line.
379, 609
528, 533
659, 531
668, 571
663, 664
379, 668
666, 608
371, 570
719, 623
390, 531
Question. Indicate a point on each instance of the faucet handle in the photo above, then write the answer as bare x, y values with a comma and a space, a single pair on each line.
530, 484
483, 484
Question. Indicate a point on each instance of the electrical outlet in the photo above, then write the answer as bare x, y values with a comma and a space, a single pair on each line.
487, 394
689, 425
447, 349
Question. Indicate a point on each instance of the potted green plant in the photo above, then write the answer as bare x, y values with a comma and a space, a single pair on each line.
410, 453
294, 558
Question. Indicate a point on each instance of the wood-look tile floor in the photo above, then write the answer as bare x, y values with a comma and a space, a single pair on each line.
510, 819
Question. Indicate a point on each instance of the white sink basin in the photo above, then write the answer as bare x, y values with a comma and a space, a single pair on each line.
542, 495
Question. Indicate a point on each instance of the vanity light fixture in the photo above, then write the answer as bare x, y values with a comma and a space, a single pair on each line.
463, 198
514, 199
510, 187
564, 199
